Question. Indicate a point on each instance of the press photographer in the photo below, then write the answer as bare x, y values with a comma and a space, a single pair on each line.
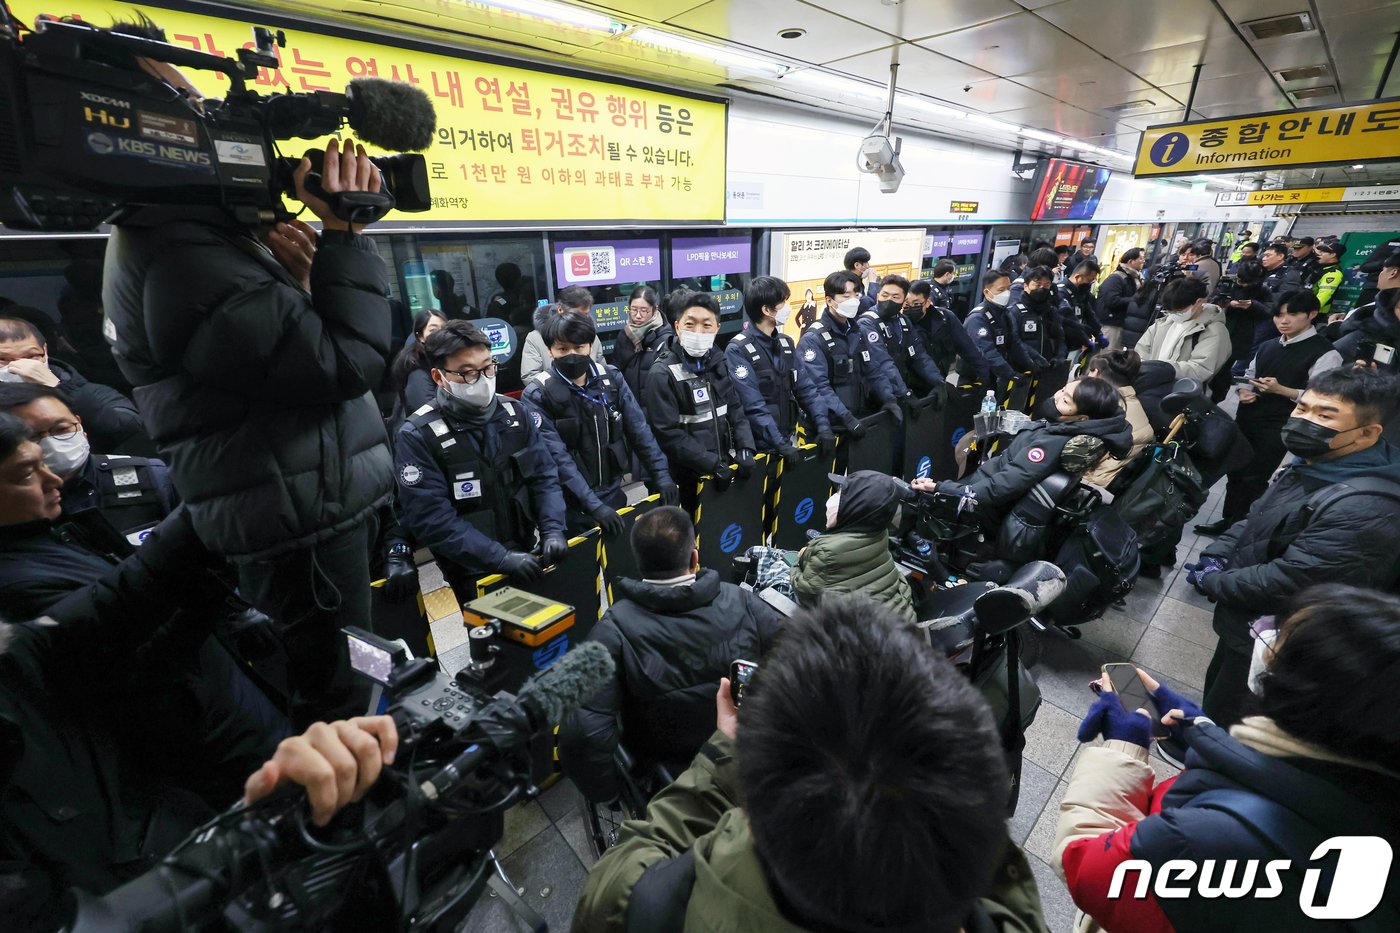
253, 351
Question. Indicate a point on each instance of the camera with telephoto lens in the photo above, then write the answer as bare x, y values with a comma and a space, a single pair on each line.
87, 136
414, 854
1172, 269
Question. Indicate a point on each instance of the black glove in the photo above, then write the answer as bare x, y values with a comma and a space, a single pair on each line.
826, 443
854, 428
937, 397
746, 464
250, 633
720, 473
1040, 364
554, 548
670, 494
520, 567
789, 453
400, 573
608, 520
893, 407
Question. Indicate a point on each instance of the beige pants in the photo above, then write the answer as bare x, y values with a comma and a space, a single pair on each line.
1114, 335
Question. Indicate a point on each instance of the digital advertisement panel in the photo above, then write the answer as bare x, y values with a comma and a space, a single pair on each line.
1066, 190
512, 144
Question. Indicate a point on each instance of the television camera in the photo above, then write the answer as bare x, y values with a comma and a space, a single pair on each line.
413, 855
88, 136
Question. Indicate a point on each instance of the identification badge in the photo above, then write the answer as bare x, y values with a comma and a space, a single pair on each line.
865, 356
466, 489
138, 538
437, 427
700, 394
1030, 327
911, 351
1000, 339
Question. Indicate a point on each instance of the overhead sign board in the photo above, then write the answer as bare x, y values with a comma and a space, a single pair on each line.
1282, 197
1367, 132
512, 144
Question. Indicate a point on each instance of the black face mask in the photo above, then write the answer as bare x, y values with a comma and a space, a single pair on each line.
572, 366
1038, 298
1045, 410
888, 309
1307, 439
914, 313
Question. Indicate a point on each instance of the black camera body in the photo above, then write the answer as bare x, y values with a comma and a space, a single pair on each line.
88, 137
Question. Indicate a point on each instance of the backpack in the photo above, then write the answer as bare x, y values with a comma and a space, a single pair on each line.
1100, 561
1162, 496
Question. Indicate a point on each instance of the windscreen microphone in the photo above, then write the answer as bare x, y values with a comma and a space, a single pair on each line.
545, 700
393, 115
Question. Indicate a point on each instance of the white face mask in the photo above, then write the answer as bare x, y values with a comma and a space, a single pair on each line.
1259, 660
848, 307
478, 394
1001, 300
1179, 317
65, 455
7, 376
781, 313
832, 505
695, 343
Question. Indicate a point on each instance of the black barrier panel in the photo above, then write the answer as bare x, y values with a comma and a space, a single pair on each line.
876, 451
924, 433
799, 508
729, 520
1049, 382
573, 581
1020, 394
402, 619
618, 559
963, 403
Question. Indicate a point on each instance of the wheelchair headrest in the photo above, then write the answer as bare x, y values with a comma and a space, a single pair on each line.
1184, 394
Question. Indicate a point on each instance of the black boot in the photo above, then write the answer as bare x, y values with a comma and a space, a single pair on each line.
1213, 529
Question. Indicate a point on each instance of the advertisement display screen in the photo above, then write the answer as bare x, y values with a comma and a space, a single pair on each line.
1066, 190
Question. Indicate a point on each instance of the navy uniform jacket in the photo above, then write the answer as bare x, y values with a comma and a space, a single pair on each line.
993, 329
634, 427
946, 339
811, 348
1077, 316
752, 349
907, 352
425, 493
875, 338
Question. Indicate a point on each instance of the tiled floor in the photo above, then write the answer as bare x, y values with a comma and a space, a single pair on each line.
1165, 627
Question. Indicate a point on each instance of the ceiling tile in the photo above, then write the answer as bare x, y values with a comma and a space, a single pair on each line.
756, 25
1116, 28
1065, 120
1000, 94
1093, 84
914, 19
1246, 94
920, 70
1360, 44
1222, 57
1012, 45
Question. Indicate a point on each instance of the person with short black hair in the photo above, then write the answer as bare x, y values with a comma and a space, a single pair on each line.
673, 635
1082, 328
842, 796
1085, 251
995, 335
1373, 330
593, 426
944, 337
643, 337
1036, 316
907, 366
1335, 432
1318, 760
772, 381
690, 400
471, 465
534, 355
1200, 254
844, 368
857, 262
1116, 295
514, 303
1280, 276
1191, 334
1248, 307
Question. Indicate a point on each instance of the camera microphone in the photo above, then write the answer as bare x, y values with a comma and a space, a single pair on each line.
546, 698
392, 115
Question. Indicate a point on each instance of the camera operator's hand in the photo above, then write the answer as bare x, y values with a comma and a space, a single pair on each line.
726, 713
348, 170
34, 371
294, 246
336, 763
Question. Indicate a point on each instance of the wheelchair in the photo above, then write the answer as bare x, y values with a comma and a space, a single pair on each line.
640, 783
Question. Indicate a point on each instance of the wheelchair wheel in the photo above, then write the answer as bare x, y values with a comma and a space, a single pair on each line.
604, 820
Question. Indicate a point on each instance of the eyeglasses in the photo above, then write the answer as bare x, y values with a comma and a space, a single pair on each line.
470, 376
62, 431
641, 309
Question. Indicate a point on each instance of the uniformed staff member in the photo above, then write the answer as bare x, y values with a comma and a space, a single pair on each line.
841, 361
1081, 324
592, 424
694, 411
913, 371
1329, 278
1037, 315
945, 272
771, 383
945, 338
131, 494
990, 327
476, 480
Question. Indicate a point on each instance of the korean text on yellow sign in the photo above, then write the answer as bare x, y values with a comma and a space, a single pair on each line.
512, 144
1360, 133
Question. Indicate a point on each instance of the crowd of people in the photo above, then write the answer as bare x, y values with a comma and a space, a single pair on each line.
303, 452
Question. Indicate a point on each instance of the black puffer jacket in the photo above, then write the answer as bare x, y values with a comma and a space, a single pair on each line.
1142, 311
1362, 331
671, 645
256, 393
635, 361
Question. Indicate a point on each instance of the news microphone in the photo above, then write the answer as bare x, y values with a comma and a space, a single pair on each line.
393, 115
545, 700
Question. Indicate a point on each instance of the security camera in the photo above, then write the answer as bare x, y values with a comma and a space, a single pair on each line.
891, 176
875, 153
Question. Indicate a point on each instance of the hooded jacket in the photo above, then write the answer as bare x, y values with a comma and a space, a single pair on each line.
1108, 467
1380, 326
671, 646
854, 556
1270, 555
1297, 796
257, 394
1203, 349
534, 352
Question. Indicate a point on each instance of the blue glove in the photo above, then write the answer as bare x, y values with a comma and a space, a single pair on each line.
1102, 341
1199, 571
1108, 718
1166, 699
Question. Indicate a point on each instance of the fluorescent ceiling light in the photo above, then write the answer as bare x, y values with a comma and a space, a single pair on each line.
927, 107
559, 13
981, 119
1358, 166
817, 82
722, 54
1051, 138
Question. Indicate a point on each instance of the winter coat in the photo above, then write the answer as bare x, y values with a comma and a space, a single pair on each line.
534, 353
633, 360
671, 645
1115, 294
1380, 326
1143, 435
1298, 795
853, 562
1355, 540
725, 888
693, 450
1141, 312
110, 419
1204, 348
257, 395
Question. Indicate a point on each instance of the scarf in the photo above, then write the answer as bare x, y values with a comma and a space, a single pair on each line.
637, 334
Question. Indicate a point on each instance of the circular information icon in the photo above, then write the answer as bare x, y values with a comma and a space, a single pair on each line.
1169, 150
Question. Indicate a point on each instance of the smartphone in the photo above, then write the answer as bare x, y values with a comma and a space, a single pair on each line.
1242, 380
1133, 695
740, 674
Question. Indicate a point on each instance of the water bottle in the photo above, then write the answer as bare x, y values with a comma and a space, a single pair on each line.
985, 423
989, 403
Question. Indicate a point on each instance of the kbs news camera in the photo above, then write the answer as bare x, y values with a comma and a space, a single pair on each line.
413, 855
87, 136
